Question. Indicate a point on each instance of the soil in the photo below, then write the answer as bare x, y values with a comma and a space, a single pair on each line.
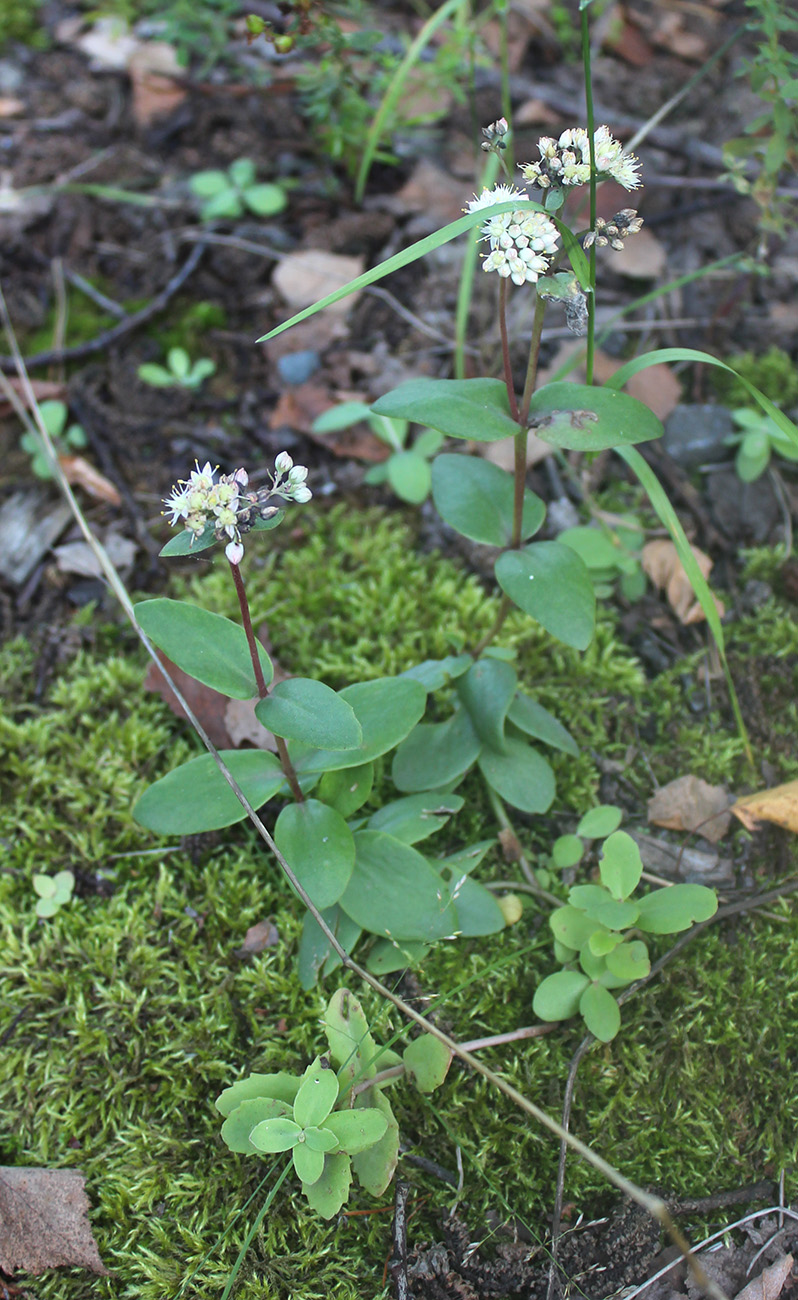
78, 123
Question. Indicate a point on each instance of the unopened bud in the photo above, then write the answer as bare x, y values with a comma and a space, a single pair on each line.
301, 494
234, 552
511, 908
283, 463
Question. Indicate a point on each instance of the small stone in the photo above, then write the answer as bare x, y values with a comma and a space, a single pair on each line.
298, 367
696, 435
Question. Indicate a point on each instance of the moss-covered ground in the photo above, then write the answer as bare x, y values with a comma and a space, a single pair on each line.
124, 1016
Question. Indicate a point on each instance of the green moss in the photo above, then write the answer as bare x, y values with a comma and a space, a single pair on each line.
125, 1015
774, 372
187, 325
19, 21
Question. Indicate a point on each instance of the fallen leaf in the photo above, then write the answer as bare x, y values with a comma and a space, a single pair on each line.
305, 276
43, 389
299, 406
209, 705
243, 727
660, 561
690, 804
259, 936
155, 76
626, 39
29, 524
680, 862
779, 805
658, 387
510, 845
44, 1221
502, 453
109, 43
432, 191
78, 557
81, 473
642, 257
770, 1283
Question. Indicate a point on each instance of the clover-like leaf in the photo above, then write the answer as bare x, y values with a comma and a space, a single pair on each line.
621, 866
272, 1135
281, 1086
600, 1012
356, 1129
676, 908
241, 1121
308, 1162
320, 1139
331, 1190
557, 997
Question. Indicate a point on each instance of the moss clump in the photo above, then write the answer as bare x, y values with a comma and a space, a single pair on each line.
19, 21
127, 1013
773, 372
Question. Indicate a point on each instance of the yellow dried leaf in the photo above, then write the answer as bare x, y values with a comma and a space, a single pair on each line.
779, 805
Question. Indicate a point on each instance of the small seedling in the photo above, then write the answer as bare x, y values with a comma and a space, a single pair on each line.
335, 1120
597, 933
407, 469
228, 195
758, 438
179, 371
611, 552
54, 416
54, 892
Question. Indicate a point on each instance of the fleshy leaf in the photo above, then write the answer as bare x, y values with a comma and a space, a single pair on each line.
600, 822
374, 1167
273, 1135
320, 1139
387, 709
388, 955
356, 1129
303, 709
557, 997
318, 1093
598, 904
486, 692
347, 789
531, 718
437, 753
549, 581
566, 851
195, 796
666, 911
436, 673
415, 817
572, 927
620, 866
352, 1047
317, 844
208, 647
476, 409
600, 1012
586, 418
395, 892
629, 961
280, 1087
241, 1121
308, 1163
427, 1062
476, 498
331, 1191
520, 776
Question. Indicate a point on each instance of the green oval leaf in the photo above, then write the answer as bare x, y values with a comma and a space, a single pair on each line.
387, 709
352, 1047
476, 498
530, 717
566, 851
416, 817
273, 1135
319, 1139
436, 673
347, 789
427, 1062
356, 1129
195, 797
478, 912
331, 1190
375, 1166
550, 582
316, 954
629, 961
520, 776
308, 1162
395, 892
620, 866
301, 708
585, 418
410, 477
435, 754
318, 1093
208, 647
600, 1012
557, 997
317, 844
265, 200
666, 911
246, 1116
600, 822
188, 543
476, 409
572, 927
278, 1087
486, 692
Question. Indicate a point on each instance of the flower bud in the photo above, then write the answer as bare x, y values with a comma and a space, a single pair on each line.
234, 552
298, 474
301, 494
283, 463
511, 908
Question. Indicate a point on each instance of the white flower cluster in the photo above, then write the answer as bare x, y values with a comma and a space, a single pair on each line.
204, 501
522, 242
566, 161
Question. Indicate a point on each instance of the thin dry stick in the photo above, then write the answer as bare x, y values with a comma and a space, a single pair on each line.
653, 1204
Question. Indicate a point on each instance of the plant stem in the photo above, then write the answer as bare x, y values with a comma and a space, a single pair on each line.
263, 690
500, 813
591, 128
508, 370
505, 605
532, 363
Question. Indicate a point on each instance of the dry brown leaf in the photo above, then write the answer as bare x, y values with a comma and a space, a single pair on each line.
243, 727
155, 76
208, 705
44, 1221
642, 257
81, 473
312, 273
779, 805
770, 1283
658, 388
432, 191
259, 936
660, 561
690, 804
43, 389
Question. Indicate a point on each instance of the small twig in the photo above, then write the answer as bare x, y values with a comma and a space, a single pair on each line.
61, 308
126, 326
99, 299
398, 1263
